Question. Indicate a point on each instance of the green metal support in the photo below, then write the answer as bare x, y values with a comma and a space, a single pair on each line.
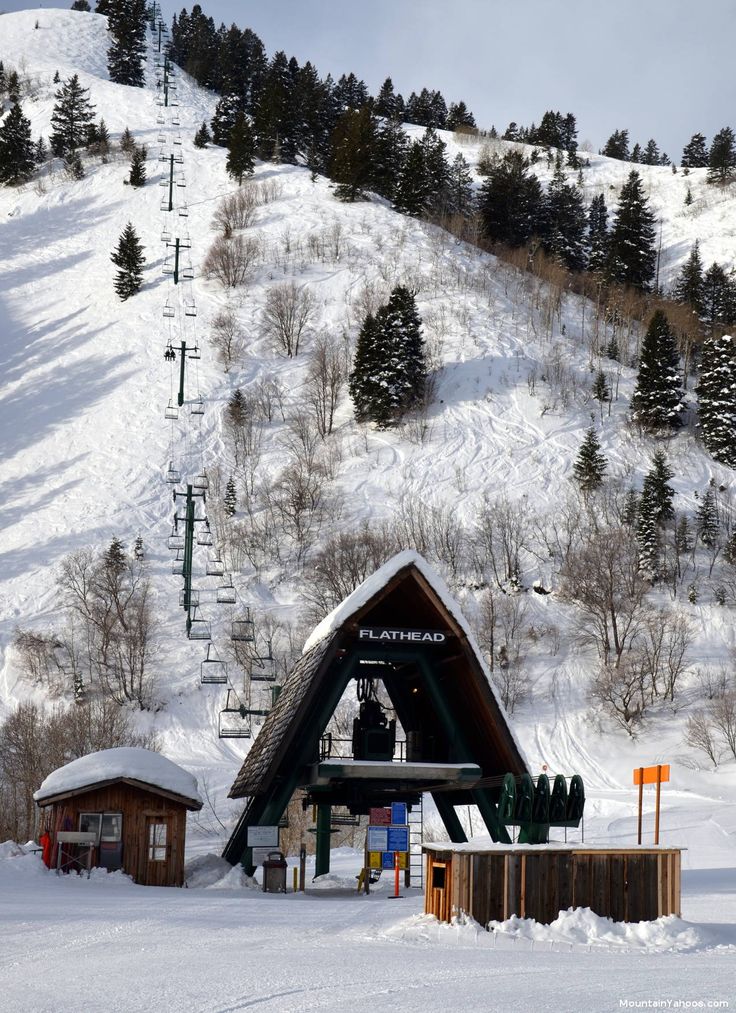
323, 840
450, 818
176, 262
188, 552
182, 365
171, 183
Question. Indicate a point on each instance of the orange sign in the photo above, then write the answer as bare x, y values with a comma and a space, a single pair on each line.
648, 775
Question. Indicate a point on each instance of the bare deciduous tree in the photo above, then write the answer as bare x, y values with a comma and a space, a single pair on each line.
701, 735
227, 338
325, 382
236, 210
602, 578
230, 261
289, 310
345, 561
619, 689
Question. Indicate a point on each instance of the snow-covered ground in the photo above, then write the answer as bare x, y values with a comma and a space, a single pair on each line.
83, 450
106, 945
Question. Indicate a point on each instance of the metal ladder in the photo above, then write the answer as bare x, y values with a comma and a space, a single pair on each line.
416, 830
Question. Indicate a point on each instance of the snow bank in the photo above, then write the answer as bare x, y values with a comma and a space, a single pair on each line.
212, 872
126, 761
574, 928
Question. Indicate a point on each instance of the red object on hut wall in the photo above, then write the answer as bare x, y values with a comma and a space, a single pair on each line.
45, 841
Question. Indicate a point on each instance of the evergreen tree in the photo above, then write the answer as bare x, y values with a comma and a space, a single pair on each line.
722, 157
632, 255
241, 150
114, 558
230, 499
129, 259
422, 187
81, 5
56, 78
237, 412
683, 540
651, 155
688, 197
719, 298
717, 398
73, 165
729, 550
386, 100
389, 370
695, 153
71, 116
102, 144
460, 192
226, 112
350, 93
202, 137
636, 154
565, 223
389, 155
657, 400
657, 491
510, 201
17, 153
127, 142
3, 79
138, 550
590, 464
617, 145
654, 510
601, 387
127, 25
137, 175
273, 115
707, 518
353, 143
597, 234
40, 151
458, 115
12, 86
689, 285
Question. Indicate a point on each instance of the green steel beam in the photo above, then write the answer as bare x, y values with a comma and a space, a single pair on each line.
450, 818
322, 858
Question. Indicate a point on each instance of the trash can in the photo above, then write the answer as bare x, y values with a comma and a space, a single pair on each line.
274, 873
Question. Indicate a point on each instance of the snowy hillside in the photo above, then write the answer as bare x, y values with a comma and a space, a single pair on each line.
85, 447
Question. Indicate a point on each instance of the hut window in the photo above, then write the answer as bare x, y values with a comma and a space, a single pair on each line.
112, 825
157, 842
89, 823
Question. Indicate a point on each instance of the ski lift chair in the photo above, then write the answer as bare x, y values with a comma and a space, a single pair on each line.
211, 669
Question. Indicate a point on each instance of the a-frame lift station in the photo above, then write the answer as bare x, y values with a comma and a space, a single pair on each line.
402, 629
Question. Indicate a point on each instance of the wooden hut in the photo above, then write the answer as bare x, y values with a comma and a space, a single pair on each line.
122, 809
494, 882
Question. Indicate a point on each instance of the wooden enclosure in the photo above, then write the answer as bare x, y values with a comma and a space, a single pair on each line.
629, 885
151, 834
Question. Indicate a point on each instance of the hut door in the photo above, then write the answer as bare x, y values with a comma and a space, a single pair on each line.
158, 849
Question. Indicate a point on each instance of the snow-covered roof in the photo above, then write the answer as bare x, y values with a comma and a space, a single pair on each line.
126, 762
372, 585
375, 583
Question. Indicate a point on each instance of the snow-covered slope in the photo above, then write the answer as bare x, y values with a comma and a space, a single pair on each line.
83, 387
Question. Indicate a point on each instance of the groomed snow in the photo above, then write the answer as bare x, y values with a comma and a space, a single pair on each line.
126, 761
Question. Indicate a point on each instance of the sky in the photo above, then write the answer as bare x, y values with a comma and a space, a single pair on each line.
659, 68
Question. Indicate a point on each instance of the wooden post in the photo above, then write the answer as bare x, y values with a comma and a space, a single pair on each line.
641, 799
657, 803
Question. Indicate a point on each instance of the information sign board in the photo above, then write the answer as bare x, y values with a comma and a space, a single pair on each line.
380, 817
374, 859
263, 837
377, 839
260, 855
389, 859
398, 839
399, 814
